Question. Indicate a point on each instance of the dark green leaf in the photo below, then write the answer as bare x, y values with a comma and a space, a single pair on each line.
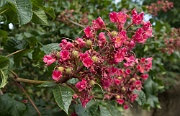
4, 62
63, 96
23, 8
39, 17
11, 107
141, 97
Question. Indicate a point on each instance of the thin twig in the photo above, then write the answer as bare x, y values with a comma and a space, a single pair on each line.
14, 52
23, 90
129, 26
75, 23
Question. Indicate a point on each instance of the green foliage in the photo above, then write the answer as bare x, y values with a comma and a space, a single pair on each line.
63, 96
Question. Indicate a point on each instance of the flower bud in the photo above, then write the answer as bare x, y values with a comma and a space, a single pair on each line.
114, 33
95, 58
118, 96
133, 79
75, 53
88, 42
92, 82
58, 55
61, 69
119, 78
68, 70
123, 89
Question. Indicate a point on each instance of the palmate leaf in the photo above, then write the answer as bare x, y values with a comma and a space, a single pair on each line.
63, 96
23, 8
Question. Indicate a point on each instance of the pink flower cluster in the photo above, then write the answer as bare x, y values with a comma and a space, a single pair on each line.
163, 5
106, 58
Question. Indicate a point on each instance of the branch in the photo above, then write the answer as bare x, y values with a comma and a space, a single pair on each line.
24, 91
129, 26
18, 79
30, 81
14, 52
75, 23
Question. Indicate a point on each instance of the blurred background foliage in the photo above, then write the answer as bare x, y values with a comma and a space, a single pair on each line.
34, 28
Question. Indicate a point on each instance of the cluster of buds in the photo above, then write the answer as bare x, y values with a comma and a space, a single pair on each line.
163, 5
68, 15
172, 43
105, 57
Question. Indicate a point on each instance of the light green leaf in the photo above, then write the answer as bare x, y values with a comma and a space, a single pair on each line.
4, 63
63, 96
39, 17
23, 8
50, 47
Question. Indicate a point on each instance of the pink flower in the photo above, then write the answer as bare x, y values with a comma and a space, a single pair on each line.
140, 68
88, 32
128, 71
120, 101
87, 62
98, 23
119, 55
81, 85
119, 17
133, 97
137, 18
130, 61
144, 76
113, 17
138, 83
102, 39
120, 39
83, 55
64, 55
140, 36
117, 81
146, 25
65, 45
56, 75
126, 107
48, 59
80, 42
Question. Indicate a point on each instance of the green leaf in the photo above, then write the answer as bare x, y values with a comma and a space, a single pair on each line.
47, 84
11, 107
107, 109
39, 17
3, 34
141, 97
50, 47
63, 96
92, 109
13, 45
48, 10
4, 77
4, 62
23, 8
